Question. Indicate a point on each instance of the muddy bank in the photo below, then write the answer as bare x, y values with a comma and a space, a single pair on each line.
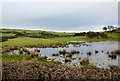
55, 72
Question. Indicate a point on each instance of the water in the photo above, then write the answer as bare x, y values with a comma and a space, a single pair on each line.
99, 59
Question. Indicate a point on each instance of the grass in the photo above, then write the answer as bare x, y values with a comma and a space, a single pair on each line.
26, 58
113, 36
7, 35
21, 58
61, 33
20, 30
23, 41
15, 58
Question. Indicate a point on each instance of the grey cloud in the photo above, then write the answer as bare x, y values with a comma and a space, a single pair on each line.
60, 16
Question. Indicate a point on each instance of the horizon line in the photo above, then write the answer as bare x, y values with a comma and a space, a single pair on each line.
53, 30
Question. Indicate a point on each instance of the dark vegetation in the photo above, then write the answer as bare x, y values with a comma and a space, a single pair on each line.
55, 72
99, 35
92, 35
30, 33
45, 34
114, 54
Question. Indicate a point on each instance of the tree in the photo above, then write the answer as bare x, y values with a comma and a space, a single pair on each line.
105, 28
111, 28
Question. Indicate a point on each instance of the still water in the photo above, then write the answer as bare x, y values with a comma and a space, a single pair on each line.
99, 59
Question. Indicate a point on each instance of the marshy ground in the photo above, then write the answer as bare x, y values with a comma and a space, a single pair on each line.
32, 66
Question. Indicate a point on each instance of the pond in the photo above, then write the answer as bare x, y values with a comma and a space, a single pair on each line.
99, 53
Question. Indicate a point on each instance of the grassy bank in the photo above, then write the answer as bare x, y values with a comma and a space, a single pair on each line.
27, 58
23, 41
7, 35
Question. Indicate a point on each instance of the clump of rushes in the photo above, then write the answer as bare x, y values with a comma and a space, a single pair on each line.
63, 52
117, 52
102, 51
20, 52
37, 50
89, 53
96, 51
113, 67
69, 55
55, 54
25, 50
74, 52
32, 53
67, 60
108, 52
85, 62
79, 58
114, 54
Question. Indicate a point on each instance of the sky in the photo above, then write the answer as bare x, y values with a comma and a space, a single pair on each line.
59, 16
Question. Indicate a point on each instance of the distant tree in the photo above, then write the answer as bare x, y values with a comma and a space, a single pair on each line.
105, 28
111, 28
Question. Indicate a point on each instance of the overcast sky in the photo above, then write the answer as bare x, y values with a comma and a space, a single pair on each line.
59, 16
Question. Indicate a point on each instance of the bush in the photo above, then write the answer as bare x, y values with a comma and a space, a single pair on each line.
103, 35
91, 34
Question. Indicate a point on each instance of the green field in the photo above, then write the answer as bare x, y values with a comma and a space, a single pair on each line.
29, 39
23, 41
7, 35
